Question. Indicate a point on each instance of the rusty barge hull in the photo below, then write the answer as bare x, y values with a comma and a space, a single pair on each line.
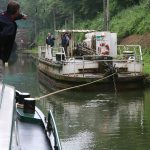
52, 78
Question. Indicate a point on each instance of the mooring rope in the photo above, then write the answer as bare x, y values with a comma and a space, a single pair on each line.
73, 87
115, 87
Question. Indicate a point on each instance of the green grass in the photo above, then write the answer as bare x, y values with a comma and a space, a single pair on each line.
133, 20
146, 59
147, 68
32, 51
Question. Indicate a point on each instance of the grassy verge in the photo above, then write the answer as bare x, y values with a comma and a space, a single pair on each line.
32, 51
146, 59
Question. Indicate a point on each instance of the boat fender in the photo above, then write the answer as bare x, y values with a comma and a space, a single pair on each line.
103, 49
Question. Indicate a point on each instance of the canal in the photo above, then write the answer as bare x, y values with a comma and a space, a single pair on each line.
89, 121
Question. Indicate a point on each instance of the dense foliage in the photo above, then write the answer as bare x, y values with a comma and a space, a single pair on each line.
126, 16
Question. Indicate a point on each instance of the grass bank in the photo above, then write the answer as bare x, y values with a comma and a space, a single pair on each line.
146, 60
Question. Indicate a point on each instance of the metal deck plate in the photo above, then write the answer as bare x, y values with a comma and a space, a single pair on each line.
32, 137
7, 107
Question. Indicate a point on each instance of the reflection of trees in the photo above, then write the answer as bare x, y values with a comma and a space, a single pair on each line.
109, 121
22, 75
13, 55
21, 64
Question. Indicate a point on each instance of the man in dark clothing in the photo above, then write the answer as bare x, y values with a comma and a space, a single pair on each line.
50, 40
8, 29
65, 42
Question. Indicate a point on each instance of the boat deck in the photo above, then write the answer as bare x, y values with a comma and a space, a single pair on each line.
7, 108
32, 136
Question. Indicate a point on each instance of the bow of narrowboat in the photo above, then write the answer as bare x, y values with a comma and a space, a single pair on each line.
23, 125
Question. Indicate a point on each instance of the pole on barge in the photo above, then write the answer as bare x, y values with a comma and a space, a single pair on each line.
106, 14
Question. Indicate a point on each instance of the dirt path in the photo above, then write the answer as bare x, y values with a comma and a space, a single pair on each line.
143, 40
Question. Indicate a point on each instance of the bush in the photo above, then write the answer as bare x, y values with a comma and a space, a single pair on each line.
128, 21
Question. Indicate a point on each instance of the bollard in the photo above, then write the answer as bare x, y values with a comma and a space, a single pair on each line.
29, 105
18, 93
22, 96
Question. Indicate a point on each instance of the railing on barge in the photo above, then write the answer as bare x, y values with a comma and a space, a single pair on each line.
129, 54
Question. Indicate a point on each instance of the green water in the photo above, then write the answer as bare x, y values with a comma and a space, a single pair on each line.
90, 121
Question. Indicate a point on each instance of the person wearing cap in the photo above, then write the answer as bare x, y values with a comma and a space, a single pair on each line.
8, 29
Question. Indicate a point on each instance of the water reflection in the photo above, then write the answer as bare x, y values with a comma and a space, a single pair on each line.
110, 122
90, 121
23, 75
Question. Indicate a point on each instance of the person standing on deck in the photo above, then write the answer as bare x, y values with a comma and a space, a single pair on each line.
65, 42
50, 40
8, 29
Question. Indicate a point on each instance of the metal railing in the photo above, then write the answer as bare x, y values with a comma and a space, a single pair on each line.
54, 130
126, 54
133, 50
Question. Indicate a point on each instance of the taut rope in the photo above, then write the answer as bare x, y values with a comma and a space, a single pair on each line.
73, 87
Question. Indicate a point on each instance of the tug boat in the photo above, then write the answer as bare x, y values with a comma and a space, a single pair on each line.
23, 125
97, 58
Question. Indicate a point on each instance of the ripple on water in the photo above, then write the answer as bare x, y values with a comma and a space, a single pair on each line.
97, 103
80, 141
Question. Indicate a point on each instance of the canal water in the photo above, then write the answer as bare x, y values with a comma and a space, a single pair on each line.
89, 121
